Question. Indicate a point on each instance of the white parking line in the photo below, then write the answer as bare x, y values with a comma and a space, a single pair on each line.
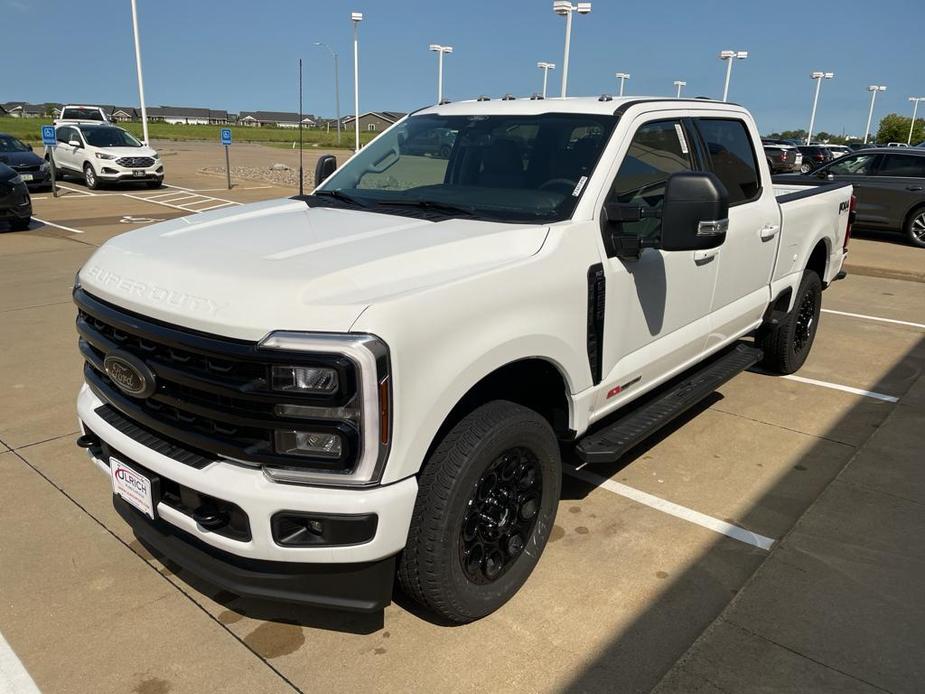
846, 389
14, 678
213, 207
59, 226
672, 509
875, 318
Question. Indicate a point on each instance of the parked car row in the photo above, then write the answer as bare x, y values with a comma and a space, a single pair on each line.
889, 183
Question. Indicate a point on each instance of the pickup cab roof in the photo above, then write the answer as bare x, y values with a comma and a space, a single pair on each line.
604, 105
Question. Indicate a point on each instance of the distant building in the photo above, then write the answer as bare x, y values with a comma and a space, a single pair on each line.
182, 115
22, 109
375, 121
278, 119
122, 114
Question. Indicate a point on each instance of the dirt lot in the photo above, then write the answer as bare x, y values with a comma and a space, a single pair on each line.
646, 558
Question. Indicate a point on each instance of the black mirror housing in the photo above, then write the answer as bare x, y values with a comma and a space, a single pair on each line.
695, 212
324, 167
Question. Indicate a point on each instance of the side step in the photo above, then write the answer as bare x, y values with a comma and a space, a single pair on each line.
608, 444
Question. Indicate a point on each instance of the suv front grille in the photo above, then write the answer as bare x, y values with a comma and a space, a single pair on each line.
212, 393
135, 162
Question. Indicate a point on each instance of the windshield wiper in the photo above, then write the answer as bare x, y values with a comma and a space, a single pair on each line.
339, 195
430, 205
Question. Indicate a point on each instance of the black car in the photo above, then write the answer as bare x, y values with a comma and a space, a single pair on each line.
19, 156
814, 156
15, 203
890, 187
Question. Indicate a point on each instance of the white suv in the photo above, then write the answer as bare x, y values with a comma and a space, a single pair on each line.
101, 153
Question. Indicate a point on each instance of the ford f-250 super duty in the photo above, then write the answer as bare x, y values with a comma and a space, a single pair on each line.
297, 398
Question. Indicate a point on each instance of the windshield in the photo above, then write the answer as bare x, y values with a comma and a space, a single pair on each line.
82, 114
512, 168
109, 137
11, 144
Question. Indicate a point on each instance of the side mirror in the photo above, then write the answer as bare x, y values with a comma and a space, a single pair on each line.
695, 212
324, 167
74, 143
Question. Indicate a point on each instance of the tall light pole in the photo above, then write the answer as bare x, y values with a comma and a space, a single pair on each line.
356, 18
141, 83
564, 8
440, 51
545, 67
915, 110
818, 76
622, 76
729, 56
336, 84
680, 84
873, 89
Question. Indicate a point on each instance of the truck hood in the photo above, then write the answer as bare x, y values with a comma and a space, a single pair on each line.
280, 265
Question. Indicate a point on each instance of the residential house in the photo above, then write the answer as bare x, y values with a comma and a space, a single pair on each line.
277, 119
187, 116
374, 121
122, 114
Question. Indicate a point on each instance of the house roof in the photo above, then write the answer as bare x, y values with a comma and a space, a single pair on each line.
277, 116
186, 112
390, 116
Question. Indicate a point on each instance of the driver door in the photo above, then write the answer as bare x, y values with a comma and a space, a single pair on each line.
657, 307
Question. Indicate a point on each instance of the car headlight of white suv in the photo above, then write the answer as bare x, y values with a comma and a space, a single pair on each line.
103, 155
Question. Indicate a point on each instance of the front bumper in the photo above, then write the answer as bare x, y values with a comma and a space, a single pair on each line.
229, 561
16, 205
110, 171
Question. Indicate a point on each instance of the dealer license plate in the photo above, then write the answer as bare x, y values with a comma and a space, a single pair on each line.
26, 177
132, 486
137, 173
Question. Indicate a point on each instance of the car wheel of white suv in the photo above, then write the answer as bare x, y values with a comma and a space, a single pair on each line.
90, 176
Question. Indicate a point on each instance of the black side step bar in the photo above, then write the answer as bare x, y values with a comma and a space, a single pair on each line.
608, 444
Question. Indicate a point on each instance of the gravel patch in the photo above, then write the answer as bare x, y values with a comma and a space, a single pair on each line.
266, 175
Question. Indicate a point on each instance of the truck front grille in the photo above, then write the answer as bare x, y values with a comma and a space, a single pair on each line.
212, 393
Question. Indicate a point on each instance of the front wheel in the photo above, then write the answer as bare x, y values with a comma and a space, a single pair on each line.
20, 224
157, 183
487, 499
90, 176
787, 344
915, 228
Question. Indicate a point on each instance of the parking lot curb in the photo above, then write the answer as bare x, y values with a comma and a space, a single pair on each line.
886, 273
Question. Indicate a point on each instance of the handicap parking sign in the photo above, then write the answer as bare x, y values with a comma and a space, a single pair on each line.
226, 136
48, 135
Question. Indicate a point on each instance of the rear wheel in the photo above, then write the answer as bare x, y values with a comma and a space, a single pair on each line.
787, 344
93, 182
805, 168
486, 503
915, 227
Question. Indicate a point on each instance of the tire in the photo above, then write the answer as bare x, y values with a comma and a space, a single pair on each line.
805, 168
461, 561
915, 227
787, 344
90, 177
155, 184
20, 224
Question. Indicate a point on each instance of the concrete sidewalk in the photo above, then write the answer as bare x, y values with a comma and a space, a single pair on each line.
885, 254
840, 605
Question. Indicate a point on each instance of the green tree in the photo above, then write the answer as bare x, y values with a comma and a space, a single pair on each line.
895, 128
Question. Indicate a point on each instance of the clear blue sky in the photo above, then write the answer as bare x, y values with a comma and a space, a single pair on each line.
242, 55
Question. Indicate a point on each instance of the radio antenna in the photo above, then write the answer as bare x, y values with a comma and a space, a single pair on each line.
301, 185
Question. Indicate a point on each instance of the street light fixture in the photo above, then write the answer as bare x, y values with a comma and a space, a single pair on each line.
545, 67
622, 76
564, 8
873, 89
336, 84
915, 110
729, 56
680, 84
818, 76
440, 51
141, 83
356, 18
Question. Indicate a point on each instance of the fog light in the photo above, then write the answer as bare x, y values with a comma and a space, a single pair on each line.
309, 443
305, 379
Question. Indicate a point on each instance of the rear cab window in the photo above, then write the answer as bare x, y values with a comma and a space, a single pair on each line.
731, 156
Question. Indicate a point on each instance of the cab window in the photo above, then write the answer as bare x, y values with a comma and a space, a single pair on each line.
732, 157
657, 150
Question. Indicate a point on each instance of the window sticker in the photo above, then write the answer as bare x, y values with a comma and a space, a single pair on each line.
580, 186
681, 140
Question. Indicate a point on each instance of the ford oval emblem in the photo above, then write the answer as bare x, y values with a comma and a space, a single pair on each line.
130, 374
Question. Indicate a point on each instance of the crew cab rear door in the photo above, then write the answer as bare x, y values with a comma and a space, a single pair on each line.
657, 306
746, 258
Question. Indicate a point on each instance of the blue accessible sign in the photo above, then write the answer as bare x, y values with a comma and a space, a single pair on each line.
226, 136
48, 135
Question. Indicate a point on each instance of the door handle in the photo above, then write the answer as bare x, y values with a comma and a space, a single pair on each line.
709, 253
769, 231
914, 188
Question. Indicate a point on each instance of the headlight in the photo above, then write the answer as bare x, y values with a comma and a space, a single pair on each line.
340, 397
103, 155
155, 155
16, 180
45, 166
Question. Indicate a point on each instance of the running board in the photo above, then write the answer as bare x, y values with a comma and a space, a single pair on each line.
608, 444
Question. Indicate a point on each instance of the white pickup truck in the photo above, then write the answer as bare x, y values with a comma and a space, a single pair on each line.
297, 398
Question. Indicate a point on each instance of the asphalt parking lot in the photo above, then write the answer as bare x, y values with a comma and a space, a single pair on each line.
660, 567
